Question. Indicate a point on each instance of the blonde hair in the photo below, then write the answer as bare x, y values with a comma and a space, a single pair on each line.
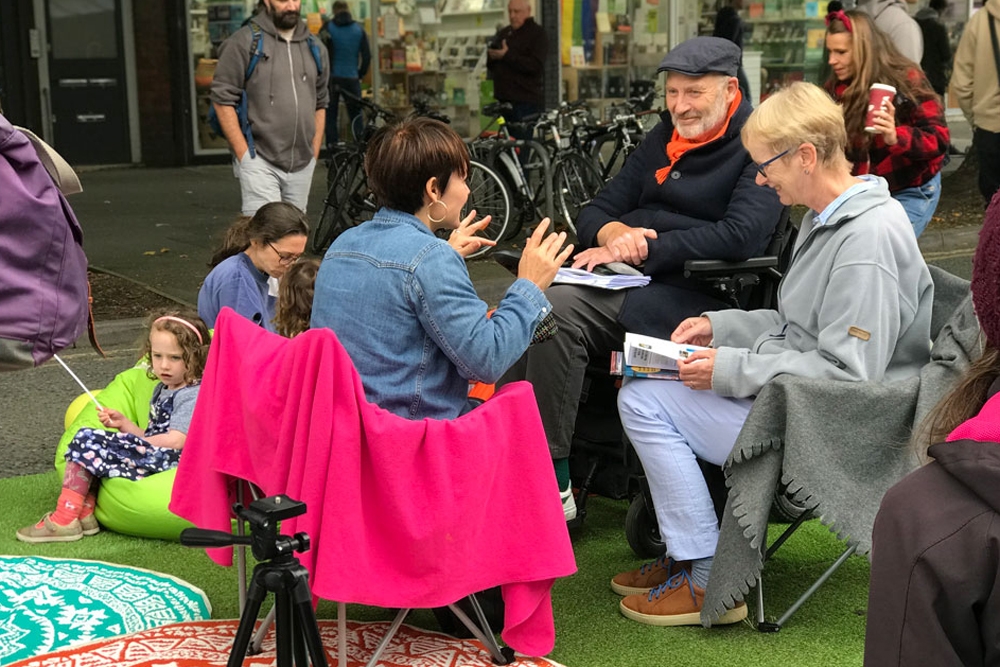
295, 298
800, 113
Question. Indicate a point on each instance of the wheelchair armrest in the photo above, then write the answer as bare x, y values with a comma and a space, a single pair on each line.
714, 268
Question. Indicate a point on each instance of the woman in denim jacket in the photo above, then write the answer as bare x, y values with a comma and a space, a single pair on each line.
400, 299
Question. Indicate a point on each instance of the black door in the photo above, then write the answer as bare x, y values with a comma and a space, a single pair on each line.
87, 71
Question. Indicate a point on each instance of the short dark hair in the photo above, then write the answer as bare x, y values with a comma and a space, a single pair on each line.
938, 5
403, 156
339, 6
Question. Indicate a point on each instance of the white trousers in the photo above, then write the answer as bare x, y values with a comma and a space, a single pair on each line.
671, 427
261, 183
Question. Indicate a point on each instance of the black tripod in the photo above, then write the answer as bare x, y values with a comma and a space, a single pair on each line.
280, 572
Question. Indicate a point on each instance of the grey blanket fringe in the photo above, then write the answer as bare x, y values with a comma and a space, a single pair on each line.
836, 445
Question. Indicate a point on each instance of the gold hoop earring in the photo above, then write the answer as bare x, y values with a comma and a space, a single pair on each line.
437, 221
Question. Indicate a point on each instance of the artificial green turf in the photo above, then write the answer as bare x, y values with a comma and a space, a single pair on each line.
590, 632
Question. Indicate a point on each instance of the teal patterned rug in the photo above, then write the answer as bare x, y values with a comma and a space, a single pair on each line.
51, 603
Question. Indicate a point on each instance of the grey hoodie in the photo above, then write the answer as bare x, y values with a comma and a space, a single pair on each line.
284, 91
855, 303
892, 18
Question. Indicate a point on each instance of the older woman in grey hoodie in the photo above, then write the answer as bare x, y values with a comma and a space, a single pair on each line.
855, 304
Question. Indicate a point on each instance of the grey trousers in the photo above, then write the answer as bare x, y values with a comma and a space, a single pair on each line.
588, 331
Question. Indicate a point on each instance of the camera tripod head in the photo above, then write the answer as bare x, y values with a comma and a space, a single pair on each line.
263, 515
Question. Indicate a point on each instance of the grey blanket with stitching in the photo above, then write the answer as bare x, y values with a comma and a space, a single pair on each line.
836, 445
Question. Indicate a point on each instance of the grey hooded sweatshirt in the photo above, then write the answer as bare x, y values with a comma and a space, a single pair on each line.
284, 91
855, 303
892, 18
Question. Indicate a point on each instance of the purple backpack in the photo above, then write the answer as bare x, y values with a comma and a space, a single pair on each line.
44, 296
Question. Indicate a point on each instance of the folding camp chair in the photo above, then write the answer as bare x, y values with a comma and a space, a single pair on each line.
839, 474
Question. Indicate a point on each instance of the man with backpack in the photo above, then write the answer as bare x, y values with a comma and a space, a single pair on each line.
350, 57
270, 96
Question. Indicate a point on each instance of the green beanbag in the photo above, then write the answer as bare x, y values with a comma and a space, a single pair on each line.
133, 508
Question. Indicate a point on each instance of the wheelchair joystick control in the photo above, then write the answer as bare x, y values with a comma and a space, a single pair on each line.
277, 571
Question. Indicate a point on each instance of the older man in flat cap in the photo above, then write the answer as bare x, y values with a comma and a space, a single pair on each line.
687, 192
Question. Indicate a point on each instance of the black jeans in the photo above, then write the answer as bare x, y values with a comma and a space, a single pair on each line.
988, 152
352, 86
588, 330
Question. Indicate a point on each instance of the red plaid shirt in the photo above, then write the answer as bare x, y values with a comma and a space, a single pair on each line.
922, 141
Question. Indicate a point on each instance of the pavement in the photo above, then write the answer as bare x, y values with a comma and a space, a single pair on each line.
157, 227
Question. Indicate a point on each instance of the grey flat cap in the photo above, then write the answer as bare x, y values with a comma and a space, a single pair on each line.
703, 55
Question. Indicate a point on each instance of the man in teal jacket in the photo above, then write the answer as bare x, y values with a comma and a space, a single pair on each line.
350, 57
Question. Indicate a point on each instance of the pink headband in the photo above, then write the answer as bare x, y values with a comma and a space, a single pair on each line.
181, 321
839, 15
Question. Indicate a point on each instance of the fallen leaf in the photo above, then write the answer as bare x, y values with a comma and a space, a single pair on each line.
163, 250
150, 253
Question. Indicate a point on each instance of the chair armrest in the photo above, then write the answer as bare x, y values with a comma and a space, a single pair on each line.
711, 268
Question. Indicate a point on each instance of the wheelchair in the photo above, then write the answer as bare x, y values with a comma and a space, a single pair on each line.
602, 459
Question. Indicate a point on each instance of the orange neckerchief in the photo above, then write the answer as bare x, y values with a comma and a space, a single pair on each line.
678, 145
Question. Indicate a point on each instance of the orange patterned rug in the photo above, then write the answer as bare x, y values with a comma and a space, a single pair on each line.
207, 643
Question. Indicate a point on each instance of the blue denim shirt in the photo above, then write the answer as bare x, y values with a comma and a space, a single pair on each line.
401, 302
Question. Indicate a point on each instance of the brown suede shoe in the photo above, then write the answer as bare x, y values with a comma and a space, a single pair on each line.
647, 577
47, 530
90, 525
677, 602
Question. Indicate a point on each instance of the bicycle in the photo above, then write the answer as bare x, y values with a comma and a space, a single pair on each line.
350, 202
550, 171
624, 129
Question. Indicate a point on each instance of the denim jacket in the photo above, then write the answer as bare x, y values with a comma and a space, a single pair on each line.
401, 302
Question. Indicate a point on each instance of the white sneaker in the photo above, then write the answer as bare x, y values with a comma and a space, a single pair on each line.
568, 502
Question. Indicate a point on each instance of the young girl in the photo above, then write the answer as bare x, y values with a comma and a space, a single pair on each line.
295, 298
911, 138
177, 347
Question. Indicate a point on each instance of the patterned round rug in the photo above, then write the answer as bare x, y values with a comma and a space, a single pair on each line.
51, 603
207, 644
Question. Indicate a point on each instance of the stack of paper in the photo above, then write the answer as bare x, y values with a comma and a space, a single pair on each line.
612, 282
648, 357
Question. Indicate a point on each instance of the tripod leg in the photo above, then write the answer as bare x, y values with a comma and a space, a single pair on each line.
283, 640
259, 636
308, 629
298, 640
255, 596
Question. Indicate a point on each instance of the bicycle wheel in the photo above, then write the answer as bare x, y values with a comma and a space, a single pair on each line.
576, 182
488, 196
348, 203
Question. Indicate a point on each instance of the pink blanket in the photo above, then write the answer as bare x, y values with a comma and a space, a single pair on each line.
400, 513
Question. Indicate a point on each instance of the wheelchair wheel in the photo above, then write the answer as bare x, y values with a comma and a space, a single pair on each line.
348, 203
641, 531
575, 182
487, 196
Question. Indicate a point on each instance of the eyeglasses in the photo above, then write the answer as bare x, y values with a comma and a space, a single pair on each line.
283, 259
760, 167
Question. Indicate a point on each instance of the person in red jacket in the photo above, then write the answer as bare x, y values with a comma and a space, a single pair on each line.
935, 580
910, 141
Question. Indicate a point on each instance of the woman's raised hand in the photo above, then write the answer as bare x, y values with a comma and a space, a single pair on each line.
885, 122
463, 238
542, 256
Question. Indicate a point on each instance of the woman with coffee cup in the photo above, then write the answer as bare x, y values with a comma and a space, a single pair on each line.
895, 121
